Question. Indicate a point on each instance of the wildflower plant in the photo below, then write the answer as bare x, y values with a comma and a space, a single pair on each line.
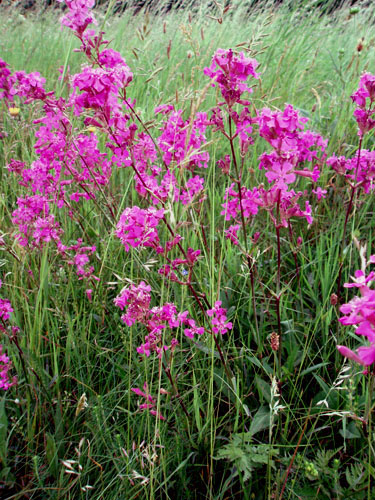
177, 234
359, 312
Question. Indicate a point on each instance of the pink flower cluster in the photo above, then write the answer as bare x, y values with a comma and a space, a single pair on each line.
5, 363
150, 402
292, 146
359, 171
296, 152
34, 221
5, 81
5, 309
364, 98
67, 169
136, 300
246, 201
137, 227
360, 311
26, 86
194, 186
70, 166
169, 270
5, 367
182, 140
283, 205
231, 72
80, 259
100, 87
78, 16
219, 319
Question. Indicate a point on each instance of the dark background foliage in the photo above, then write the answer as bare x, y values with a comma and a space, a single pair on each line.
160, 6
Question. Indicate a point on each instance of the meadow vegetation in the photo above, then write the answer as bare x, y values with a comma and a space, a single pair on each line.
187, 248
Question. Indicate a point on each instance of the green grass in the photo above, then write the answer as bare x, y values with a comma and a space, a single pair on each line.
72, 347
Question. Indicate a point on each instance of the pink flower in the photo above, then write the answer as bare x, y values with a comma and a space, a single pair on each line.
231, 233
282, 205
5, 81
194, 186
164, 109
360, 168
360, 311
193, 329
319, 193
366, 90
219, 319
28, 86
348, 353
5, 309
150, 401
360, 280
292, 146
16, 166
137, 300
137, 227
99, 88
5, 366
224, 164
46, 229
364, 115
231, 72
78, 16
182, 141
249, 202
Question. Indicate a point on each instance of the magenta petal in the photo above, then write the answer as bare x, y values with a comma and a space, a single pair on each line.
348, 353
138, 392
367, 354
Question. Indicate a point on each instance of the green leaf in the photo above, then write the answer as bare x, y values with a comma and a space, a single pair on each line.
313, 368
261, 420
355, 475
3, 432
350, 432
263, 388
245, 456
51, 454
197, 404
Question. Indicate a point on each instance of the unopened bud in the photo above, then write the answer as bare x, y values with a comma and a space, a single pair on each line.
255, 237
333, 299
275, 341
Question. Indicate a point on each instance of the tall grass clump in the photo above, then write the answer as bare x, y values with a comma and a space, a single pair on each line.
187, 305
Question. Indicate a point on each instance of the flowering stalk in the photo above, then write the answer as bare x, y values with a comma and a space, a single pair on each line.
132, 220
353, 191
362, 164
248, 258
360, 311
230, 73
278, 292
167, 371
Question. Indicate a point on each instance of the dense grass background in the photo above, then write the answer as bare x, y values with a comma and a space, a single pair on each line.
72, 347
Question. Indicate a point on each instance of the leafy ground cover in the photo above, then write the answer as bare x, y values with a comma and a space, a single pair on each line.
187, 250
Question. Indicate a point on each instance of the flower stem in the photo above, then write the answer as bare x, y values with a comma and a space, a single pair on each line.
248, 259
349, 209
